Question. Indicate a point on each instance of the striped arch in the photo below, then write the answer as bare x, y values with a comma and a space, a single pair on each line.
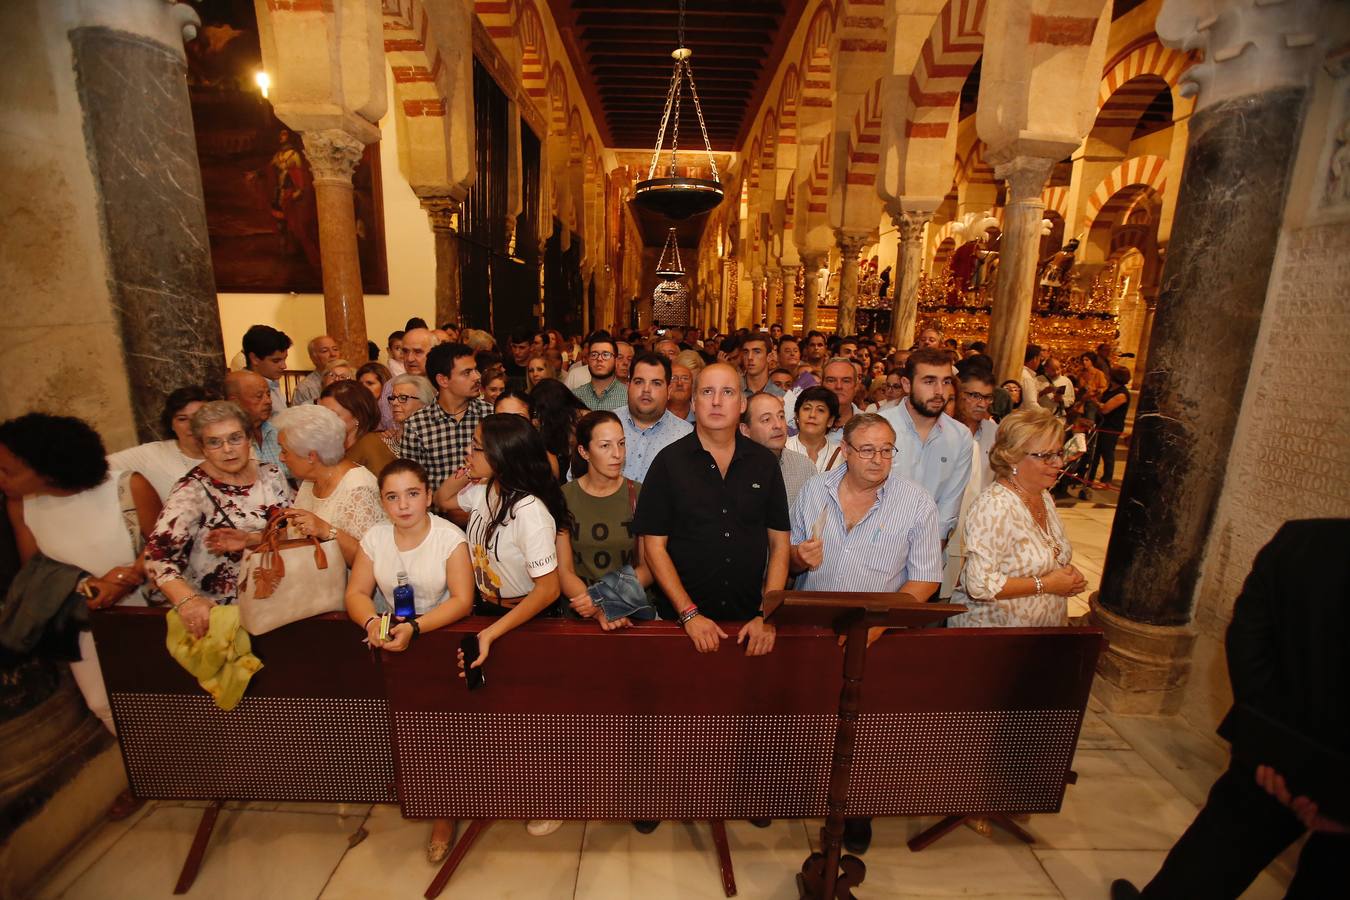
498, 17
534, 58
413, 59
1056, 199
576, 132
864, 140
1146, 171
790, 208
816, 66
1146, 57
861, 27
951, 51
818, 180
557, 99
752, 173
973, 169
787, 105
1123, 109
768, 152
591, 172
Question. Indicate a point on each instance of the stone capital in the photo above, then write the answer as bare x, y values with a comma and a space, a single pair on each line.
910, 224
166, 22
443, 213
1249, 46
814, 259
333, 154
1025, 176
852, 242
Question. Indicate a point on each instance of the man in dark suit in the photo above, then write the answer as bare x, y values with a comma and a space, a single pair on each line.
1289, 660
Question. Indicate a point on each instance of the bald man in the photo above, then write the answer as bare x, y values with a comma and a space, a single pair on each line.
713, 514
417, 343
254, 396
322, 350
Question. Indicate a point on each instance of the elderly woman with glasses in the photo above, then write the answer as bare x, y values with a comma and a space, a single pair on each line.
213, 514
407, 394
1017, 572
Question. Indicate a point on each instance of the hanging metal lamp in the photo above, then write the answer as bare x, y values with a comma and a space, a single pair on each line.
669, 265
672, 195
670, 300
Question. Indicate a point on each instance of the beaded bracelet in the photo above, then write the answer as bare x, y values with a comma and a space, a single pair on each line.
186, 599
688, 615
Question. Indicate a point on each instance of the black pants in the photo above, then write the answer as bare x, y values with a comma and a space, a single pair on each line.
1240, 830
1106, 455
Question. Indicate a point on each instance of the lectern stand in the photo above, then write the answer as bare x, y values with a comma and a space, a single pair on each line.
825, 875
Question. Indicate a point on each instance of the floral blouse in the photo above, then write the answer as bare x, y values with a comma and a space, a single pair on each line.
196, 505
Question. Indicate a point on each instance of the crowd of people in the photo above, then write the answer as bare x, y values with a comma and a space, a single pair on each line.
661, 473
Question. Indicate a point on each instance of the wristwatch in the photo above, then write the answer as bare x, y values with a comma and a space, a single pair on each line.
417, 629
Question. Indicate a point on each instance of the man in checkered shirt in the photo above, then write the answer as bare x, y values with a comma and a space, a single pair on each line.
438, 436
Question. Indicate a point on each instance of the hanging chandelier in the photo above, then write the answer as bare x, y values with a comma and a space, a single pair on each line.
669, 265
672, 195
670, 300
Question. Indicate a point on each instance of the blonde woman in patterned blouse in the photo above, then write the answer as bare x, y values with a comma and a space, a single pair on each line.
1017, 572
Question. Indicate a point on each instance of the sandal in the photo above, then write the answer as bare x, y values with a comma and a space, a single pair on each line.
437, 851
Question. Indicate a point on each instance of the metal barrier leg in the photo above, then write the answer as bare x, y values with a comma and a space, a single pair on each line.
198, 849
924, 838
1017, 831
719, 833
461, 849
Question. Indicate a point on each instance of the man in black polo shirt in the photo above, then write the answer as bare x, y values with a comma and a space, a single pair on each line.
714, 518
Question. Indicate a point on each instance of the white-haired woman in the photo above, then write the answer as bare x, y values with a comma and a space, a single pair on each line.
1017, 572
407, 394
338, 500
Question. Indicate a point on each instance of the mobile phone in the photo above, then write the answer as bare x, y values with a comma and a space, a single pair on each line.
474, 678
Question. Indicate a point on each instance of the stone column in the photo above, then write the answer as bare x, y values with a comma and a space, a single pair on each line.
812, 260
773, 303
1182, 436
333, 154
1019, 251
133, 92
905, 281
443, 212
789, 297
850, 245
757, 287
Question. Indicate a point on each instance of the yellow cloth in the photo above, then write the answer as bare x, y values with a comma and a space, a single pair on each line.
222, 660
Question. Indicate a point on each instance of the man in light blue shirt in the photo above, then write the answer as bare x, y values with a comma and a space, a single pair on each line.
932, 448
648, 427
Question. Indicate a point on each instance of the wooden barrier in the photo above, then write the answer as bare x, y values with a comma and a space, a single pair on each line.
574, 723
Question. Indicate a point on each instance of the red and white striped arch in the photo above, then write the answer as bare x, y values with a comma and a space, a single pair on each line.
558, 103
816, 68
534, 57
788, 96
1145, 57
1143, 171
951, 51
864, 141
818, 179
1056, 199
498, 17
413, 58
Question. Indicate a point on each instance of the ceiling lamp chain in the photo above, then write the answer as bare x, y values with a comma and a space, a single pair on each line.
675, 268
674, 196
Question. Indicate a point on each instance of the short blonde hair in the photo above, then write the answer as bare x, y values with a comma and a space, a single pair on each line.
1017, 432
691, 360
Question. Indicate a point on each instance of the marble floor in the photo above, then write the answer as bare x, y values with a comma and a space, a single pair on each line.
1140, 780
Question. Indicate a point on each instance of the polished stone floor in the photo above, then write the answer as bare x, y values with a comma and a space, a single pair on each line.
1140, 780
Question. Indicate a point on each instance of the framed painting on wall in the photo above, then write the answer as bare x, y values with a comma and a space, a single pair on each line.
260, 208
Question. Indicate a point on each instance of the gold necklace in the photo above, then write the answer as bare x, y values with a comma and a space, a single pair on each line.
1043, 530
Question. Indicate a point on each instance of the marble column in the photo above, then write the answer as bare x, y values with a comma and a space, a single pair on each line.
443, 212
138, 133
773, 303
1219, 260
789, 297
812, 260
757, 288
333, 154
1019, 252
850, 245
905, 281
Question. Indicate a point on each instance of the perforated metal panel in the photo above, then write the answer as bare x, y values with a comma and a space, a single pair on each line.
519, 766
268, 748
961, 762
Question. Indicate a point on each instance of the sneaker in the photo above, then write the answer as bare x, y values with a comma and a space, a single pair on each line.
542, 827
857, 835
645, 826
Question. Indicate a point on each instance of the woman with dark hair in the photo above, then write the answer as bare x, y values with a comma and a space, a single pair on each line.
1113, 404
164, 462
494, 382
512, 401
65, 503
817, 410
516, 511
373, 375
424, 552
555, 410
361, 415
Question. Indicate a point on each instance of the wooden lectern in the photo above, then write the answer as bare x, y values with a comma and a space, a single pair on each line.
827, 875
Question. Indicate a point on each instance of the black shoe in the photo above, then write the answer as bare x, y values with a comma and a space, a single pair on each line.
645, 826
760, 823
857, 835
1122, 889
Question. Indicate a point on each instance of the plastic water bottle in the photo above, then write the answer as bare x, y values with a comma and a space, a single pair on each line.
404, 607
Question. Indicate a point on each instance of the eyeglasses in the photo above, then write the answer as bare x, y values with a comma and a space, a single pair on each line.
887, 452
402, 398
976, 397
1048, 455
233, 440
601, 354
894, 387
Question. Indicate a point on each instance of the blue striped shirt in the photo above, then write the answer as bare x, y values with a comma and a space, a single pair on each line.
940, 465
896, 541
642, 444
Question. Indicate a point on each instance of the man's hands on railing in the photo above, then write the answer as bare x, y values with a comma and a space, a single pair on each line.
758, 637
705, 633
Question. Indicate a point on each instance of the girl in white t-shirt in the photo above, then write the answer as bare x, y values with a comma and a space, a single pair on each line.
434, 556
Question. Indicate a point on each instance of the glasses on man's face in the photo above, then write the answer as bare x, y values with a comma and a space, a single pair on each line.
402, 398
977, 397
1048, 455
869, 452
891, 388
601, 354
234, 440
